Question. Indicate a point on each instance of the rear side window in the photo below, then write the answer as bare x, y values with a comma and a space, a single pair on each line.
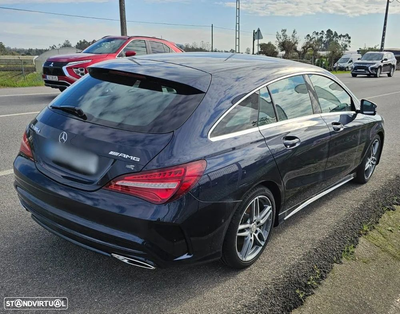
331, 96
139, 46
267, 113
157, 47
291, 98
131, 102
242, 117
167, 49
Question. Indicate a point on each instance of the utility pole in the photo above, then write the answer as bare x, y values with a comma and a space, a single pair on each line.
254, 39
212, 37
385, 24
122, 18
237, 27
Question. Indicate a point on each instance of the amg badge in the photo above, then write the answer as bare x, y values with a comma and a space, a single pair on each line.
117, 154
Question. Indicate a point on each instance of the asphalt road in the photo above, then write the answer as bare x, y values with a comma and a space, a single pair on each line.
34, 262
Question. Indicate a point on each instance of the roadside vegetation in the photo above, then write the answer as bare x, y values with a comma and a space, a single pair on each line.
16, 79
379, 244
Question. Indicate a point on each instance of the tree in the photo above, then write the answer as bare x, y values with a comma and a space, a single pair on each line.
362, 51
3, 49
193, 47
268, 49
83, 44
312, 45
287, 43
66, 43
335, 52
323, 39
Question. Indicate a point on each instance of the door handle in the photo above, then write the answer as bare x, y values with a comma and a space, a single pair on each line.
291, 141
337, 126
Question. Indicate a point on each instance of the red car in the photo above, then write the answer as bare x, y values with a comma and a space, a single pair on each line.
62, 71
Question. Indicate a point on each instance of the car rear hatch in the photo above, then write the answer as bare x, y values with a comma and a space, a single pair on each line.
108, 124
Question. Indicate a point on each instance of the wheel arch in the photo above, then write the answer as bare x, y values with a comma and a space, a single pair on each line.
381, 135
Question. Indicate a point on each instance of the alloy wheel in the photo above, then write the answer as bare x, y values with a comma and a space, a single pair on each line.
254, 228
372, 159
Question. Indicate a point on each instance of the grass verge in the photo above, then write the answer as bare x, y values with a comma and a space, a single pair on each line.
290, 289
340, 72
16, 79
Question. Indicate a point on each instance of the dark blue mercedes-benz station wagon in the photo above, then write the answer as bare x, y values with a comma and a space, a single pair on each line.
174, 159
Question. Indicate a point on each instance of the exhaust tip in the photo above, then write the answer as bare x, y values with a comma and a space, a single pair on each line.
133, 262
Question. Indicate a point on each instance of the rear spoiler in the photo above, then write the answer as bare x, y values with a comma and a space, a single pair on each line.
154, 70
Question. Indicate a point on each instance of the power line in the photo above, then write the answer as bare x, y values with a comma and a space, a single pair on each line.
99, 18
117, 20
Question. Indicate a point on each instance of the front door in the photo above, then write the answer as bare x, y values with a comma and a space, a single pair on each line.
299, 141
345, 128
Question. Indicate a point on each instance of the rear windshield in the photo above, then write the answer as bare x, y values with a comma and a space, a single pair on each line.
131, 102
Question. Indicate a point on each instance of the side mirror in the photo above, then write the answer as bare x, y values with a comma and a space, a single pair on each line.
384, 60
359, 59
130, 53
350, 61
367, 107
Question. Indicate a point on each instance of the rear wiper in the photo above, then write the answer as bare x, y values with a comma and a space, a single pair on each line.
70, 109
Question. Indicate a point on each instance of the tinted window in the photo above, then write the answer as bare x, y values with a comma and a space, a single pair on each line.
372, 56
267, 113
157, 47
105, 45
167, 49
139, 46
127, 101
291, 98
241, 117
331, 96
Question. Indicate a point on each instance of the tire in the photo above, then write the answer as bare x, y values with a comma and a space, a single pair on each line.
391, 73
367, 167
62, 89
353, 75
242, 249
378, 72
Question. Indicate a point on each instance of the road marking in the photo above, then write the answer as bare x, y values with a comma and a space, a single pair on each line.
6, 172
35, 94
388, 94
18, 114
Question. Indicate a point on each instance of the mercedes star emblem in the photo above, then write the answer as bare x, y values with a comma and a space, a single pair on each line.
62, 138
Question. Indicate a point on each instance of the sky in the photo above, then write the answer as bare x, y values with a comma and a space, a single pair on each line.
362, 20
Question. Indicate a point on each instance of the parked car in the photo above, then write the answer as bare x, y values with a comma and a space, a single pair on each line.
63, 70
346, 62
174, 159
375, 63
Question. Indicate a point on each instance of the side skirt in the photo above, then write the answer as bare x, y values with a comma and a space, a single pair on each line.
316, 197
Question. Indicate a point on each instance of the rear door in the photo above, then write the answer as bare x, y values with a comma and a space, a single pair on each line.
157, 47
298, 141
137, 45
386, 63
338, 111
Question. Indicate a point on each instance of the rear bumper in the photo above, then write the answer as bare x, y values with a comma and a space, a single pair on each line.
111, 223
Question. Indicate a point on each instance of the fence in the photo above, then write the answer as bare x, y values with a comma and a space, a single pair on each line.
18, 64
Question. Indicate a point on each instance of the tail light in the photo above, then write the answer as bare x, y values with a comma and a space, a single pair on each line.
25, 148
160, 186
